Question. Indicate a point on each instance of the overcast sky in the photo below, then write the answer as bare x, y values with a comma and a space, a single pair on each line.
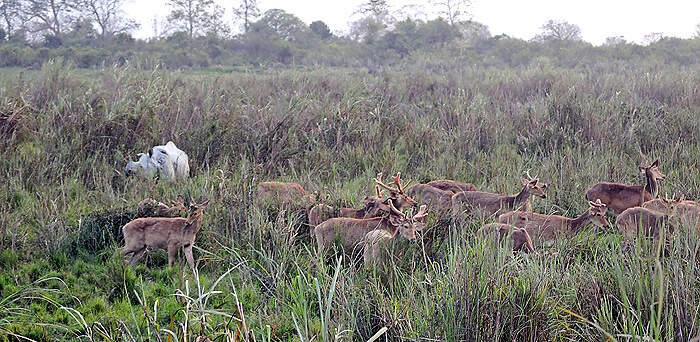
597, 19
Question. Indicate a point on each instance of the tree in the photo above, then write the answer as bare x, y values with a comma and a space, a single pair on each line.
376, 8
653, 37
50, 15
284, 25
320, 29
616, 40
108, 15
697, 31
473, 31
454, 11
559, 30
195, 17
246, 12
10, 11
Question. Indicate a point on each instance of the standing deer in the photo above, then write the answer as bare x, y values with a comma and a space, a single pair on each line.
489, 204
285, 194
373, 204
450, 185
434, 197
547, 227
352, 231
619, 197
164, 233
644, 221
398, 194
375, 240
687, 211
519, 238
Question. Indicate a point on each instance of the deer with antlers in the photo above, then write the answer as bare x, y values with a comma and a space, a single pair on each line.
490, 204
375, 241
519, 238
373, 205
398, 194
164, 233
352, 231
547, 227
451, 185
288, 195
619, 197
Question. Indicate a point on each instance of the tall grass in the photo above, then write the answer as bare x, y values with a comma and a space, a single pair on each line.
68, 134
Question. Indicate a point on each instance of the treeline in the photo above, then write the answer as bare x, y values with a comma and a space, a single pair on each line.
91, 33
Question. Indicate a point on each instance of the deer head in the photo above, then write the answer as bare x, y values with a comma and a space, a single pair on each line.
597, 213
397, 194
653, 170
195, 211
375, 204
536, 187
407, 227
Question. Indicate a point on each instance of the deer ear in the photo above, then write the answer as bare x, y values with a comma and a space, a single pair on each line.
655, 164
643, 170
524, 181
204, 204
181, 199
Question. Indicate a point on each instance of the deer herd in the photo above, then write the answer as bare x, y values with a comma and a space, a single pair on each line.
398, 211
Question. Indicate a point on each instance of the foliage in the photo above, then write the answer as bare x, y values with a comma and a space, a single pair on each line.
67, 133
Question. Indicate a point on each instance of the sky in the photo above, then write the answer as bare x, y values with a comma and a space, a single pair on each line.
597, 19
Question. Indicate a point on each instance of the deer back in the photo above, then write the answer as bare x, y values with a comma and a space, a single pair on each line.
451, 185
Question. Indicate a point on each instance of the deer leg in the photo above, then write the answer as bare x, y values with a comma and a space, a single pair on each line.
172, 252
188, 255
136, 256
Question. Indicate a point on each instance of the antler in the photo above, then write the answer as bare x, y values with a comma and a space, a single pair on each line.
379, 182
379, 191
421, 213
527, 173
396, 211
397, 182
597, 203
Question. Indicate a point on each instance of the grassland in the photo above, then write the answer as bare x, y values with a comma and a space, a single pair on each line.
64, 197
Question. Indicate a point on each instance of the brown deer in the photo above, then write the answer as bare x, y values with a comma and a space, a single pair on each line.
398, 194
434, 197
161, 209
164, 233
352, 231
373, 204
519, 238
450, 185
288, 195
376, 240
687, 211
489, 204
543, 227
619, 197
644, 221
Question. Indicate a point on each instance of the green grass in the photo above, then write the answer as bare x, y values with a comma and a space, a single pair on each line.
64, 197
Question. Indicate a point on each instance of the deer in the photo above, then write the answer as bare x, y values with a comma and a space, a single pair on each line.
432, 196
375, 240
619, 197
490, 204
685, 210
164, 233
161, 209
519, 238
285, 194
646, 222
352, 231
398, 194
373, 205
547, 227
451, 185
